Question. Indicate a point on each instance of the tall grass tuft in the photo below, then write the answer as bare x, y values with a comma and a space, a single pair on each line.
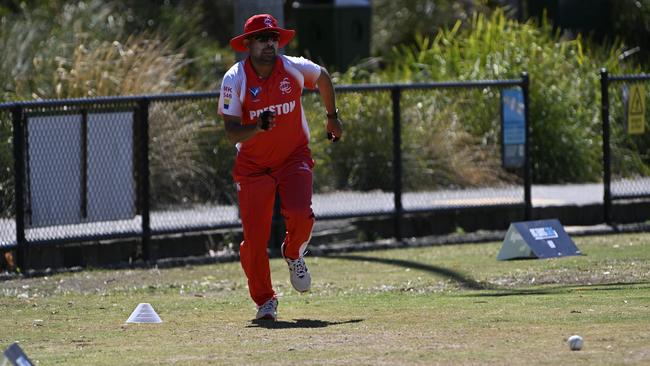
85, 50
140, 65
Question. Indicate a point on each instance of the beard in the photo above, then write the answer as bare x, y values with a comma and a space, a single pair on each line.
266, 56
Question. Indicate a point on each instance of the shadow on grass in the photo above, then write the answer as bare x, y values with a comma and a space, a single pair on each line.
463, 280
561, 289
494, 290
297, 323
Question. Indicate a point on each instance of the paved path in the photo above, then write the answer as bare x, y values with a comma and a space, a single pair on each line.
331, 204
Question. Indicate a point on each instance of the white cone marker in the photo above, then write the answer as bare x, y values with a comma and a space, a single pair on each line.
144, 313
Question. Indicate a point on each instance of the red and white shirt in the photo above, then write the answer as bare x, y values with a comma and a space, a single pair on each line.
245, 95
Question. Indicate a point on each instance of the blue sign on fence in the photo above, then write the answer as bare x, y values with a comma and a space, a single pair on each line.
513, 128
537, 239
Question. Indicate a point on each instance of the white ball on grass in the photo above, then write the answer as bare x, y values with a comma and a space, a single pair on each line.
575, 342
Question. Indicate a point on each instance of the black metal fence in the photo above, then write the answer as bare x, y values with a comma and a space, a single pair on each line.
413, 193
626, 141
105, 168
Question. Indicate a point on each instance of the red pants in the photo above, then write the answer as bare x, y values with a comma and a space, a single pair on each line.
256, 191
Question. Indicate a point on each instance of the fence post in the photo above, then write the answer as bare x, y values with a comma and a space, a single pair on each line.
143, 123
397, 162
528, 202
607, 174
19, 185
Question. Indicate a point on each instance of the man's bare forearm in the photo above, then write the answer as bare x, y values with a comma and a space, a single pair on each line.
326, 89
334, 125
237, 132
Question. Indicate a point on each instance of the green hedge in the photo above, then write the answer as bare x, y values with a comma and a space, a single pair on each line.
564, 76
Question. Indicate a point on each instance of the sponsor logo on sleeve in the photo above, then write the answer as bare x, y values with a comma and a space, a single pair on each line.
227, 95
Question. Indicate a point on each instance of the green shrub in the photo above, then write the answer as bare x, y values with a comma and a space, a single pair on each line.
564, 90
438, 147
417, 16
363, 160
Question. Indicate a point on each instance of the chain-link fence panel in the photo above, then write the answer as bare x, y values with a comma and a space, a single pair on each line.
353, 177
79, 171
7, 195
629, 139
452, 150
450, 145
86, 175
190, 162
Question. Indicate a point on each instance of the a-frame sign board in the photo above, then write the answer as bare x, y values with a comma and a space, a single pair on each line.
537, 239
15, 356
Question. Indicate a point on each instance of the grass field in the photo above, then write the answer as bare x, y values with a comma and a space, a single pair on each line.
451, 305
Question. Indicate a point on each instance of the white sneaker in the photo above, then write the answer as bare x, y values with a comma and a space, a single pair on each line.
268, 310
298, 273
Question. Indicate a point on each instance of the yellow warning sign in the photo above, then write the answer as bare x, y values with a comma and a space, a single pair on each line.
636, 110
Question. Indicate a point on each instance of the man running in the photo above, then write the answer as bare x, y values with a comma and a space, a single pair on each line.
262, 111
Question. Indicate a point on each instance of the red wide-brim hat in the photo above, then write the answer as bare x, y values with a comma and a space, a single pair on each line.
261, 23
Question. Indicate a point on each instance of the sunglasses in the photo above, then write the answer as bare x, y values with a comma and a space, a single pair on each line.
265, 37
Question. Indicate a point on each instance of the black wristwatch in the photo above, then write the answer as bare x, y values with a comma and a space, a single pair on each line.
334, 115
